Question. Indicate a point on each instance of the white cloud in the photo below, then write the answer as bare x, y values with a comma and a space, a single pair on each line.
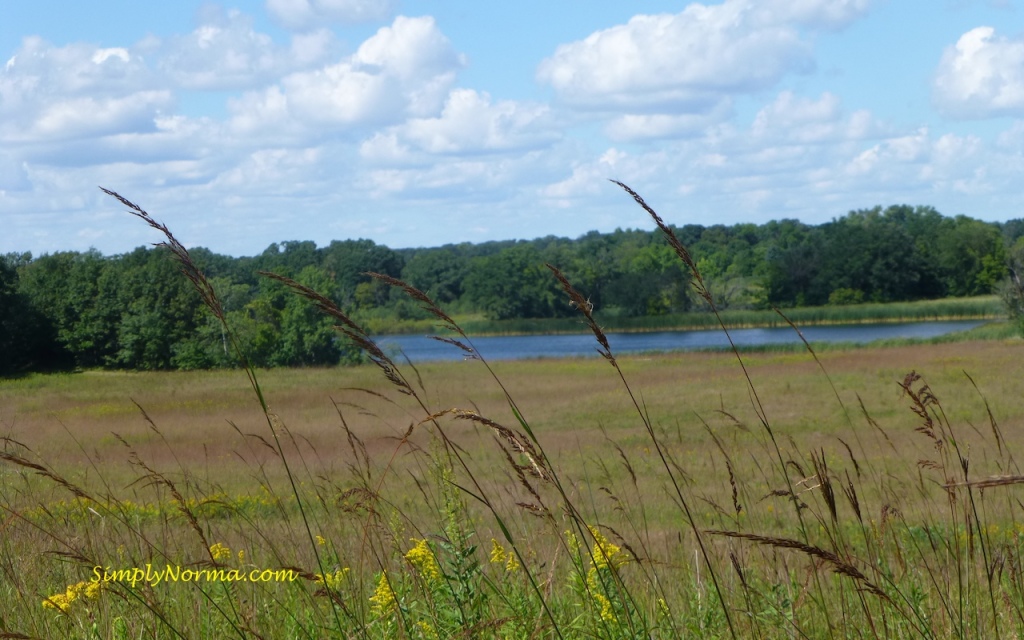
225, 52
101, 55
802, 120
590, 178
817, 14
981, 76
39, 69
686, 61
403, 70
880, 158
79, 117
52, 93
271, 171
303, 14
469, 123
632, 127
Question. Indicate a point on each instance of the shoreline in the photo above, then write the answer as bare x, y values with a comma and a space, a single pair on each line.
695, 327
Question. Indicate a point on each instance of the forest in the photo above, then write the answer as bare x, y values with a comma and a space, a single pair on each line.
135, 311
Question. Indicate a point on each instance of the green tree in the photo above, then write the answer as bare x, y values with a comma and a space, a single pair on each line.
307, 336
28, 341
1011, 288
64, 288
437, 272
514, 284
159, 308
347, 262
972, 254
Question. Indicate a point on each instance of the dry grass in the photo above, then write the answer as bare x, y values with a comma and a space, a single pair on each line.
571, 405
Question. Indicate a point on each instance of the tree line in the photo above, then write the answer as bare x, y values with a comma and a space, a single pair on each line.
136, 311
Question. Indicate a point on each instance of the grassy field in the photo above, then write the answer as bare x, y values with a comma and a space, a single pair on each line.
566, 501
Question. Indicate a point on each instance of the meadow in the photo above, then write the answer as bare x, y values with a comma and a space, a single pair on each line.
840, 493
158, 468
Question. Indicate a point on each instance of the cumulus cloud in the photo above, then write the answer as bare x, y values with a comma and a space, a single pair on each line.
405, 69
272, 171
226, 52
632, 127
816, 14
803, 120
469, 123
40, 69
80, 117
52, 93
981, 76
303, 14
686, 61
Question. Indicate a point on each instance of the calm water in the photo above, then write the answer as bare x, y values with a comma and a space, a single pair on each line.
422, 348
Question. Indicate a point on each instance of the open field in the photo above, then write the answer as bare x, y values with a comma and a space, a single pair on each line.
858, 536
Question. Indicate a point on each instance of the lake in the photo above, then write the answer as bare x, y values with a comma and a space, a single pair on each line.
422, 349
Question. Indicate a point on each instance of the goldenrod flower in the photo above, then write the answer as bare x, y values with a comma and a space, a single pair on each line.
92, 589
607, 613
219, 551
500, 556
604, 554
421, 557
63, 601
58, 601
427, 629
332, 580
512, 563
383, 597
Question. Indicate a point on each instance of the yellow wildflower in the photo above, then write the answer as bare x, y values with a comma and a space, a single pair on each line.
320, 540
383, 597
427, 630
512, 563
421, 557
58, 601
332, 580
604, 554
63, 601
607, 614
500, 556
220, 551
241, 556
92, 589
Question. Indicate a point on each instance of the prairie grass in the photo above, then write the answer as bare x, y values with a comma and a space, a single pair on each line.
767, 495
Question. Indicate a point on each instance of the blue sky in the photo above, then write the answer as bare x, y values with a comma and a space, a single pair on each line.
419, 123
